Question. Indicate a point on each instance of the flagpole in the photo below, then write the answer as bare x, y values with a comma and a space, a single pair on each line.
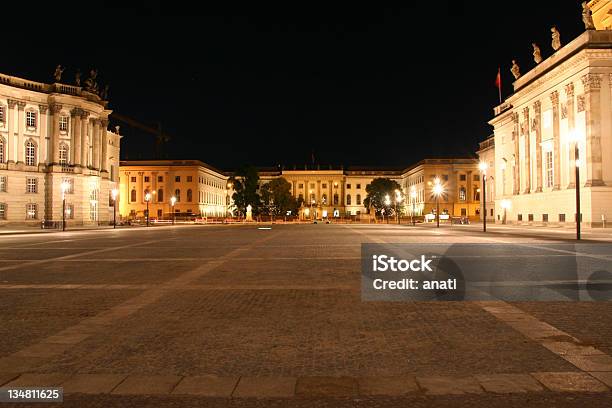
499, 86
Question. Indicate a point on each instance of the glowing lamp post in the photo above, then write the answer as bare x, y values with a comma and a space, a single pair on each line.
438, 190
573, 138
483, 169
114, 194
172, 202
398, 200
413, 196
387, 204
147, 199
65, 186
505, 204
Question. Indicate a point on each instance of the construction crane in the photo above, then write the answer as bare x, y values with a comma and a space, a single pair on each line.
160, 137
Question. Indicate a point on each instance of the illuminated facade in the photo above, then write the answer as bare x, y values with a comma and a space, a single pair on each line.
563, 102
53, 135
197, 187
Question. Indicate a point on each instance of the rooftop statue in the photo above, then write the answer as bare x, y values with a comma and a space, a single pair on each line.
587, 17
537, 55
516, 71
90, 83
77, 77
58, 73
556, 38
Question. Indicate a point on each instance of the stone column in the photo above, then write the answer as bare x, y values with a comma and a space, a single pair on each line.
554, 99
516, 170
96, 144
20, 128
76, 136
10, 149
527, 150
84, 142
44, 134
593, 117
104, 148
537, 128
55, 135
569, 93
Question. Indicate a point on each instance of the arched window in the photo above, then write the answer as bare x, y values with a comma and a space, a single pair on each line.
177, 194
63, 154
358, 199
462, 194
133, 196
336, 199
2, 150
160, 195
30, 153
189, 195
348, 199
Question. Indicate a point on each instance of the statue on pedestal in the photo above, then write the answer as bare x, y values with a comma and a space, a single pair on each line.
90, 83
537, 55
516, 71
59, 70
587, 17
556, 38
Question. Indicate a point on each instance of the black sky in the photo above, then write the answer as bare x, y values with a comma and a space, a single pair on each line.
266, 84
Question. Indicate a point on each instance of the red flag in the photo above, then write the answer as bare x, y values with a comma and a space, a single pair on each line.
498, 83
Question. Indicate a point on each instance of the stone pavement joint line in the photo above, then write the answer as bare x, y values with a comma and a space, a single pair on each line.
310, 387
36, 354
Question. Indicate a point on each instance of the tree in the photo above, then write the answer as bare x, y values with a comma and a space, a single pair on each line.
378, 191
276, 197
245, 183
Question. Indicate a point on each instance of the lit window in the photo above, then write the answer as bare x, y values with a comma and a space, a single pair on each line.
70, 184
549, 169
462, 193
63, 154
31, 185
63, 123
2, 149
31, 211
93, 205
2, 114
30, 158
31, 119
2, 211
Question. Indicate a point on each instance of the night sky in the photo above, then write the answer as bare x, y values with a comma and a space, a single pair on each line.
370, 85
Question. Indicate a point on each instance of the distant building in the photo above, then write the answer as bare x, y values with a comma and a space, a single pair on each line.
562, 101
197, 187
54, 134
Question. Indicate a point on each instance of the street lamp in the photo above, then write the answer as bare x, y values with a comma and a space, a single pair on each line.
65, 186
387, 204
172, 202
413, 195
147, 199
398, 200
483, 169
114, 194
573, 137
227, 201
505, 205
437, 191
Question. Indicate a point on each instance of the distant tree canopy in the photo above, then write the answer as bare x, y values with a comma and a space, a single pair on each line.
276, 198
245, 183
378, 191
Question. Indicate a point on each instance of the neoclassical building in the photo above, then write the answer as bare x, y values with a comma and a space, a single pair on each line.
197, 188
562, 102
53, 135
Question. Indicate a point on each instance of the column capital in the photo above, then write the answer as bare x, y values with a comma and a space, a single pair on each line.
55, 107
591, 82
12, 103
43, 108
526, 112
21, 105
84, 114
515, 117
104, 123
554, 98
537, 107
569, 90
76, 112
94, 121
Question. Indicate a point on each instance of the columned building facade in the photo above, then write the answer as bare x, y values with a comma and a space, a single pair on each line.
54, 135
561, 106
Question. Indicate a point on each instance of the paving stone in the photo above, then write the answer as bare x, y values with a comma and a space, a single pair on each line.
19, 364
326, 387
598, 362
92, 383
449, 385
6, 377
207, 385
570, 348
44, 350
39, 380
265, 387
147, 384
387, 385
67, 338
604, 377
508, 383
570, 382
